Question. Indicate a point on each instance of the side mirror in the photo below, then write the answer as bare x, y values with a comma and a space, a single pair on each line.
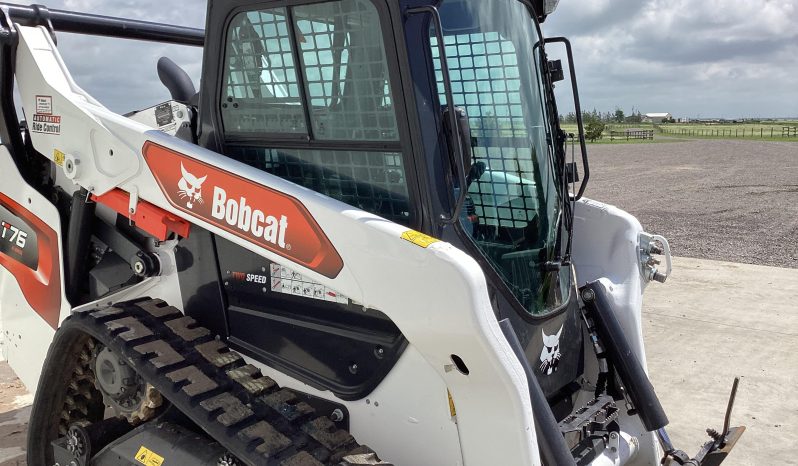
577, 109
571, 172
555, 71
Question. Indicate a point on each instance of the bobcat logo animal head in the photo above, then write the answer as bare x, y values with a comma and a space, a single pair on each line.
550, 354
190, 187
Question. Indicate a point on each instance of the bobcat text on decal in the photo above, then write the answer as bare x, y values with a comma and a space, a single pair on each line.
238, 214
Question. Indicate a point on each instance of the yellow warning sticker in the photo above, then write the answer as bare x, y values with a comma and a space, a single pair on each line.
418, 238
452, 411
58, 157
148, 457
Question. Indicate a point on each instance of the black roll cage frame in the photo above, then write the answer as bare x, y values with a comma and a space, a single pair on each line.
99, 25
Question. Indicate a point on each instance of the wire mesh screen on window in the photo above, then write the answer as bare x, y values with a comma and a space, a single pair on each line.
262, 92
485, 80
370, 180
346, 71
343, 65
483, 69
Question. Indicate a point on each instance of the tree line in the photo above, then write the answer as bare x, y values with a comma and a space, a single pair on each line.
618, 116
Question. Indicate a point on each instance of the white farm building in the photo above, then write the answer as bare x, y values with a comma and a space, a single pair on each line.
656, 117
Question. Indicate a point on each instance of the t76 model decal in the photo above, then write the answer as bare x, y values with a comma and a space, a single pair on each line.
29, 250
261, 215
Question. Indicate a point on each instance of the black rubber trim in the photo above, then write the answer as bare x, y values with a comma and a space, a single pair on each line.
122, 28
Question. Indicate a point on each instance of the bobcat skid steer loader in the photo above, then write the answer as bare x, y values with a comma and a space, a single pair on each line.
364, 229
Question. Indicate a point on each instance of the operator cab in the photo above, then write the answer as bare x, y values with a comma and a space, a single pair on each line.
349, 99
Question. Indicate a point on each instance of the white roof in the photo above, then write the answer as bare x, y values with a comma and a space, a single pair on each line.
657, 115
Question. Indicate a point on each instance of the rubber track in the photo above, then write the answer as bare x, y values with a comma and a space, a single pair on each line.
242, 409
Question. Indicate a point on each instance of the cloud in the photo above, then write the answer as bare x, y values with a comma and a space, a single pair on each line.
120, 73
726, 58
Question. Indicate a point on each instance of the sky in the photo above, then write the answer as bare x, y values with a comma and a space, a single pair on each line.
691, 58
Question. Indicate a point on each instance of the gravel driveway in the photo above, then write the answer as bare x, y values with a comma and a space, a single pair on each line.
713, 199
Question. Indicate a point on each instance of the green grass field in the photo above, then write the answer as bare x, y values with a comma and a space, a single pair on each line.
762, 131
673, 132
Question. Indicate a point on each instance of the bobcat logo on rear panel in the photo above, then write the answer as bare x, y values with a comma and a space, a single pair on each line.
550, 354
190, 187
253, 212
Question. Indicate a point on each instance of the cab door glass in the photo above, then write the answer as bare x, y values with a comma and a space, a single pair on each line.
513, 208
346, 72
316, 76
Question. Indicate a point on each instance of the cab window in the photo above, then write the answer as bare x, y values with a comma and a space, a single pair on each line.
317, 76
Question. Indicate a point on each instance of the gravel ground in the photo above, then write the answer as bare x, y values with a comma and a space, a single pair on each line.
726, 200
14, 412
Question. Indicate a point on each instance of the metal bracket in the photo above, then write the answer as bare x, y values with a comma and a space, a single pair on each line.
143, 263
42, 15
133, 202
648, 246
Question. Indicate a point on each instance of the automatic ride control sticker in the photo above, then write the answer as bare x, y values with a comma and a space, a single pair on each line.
46, 124
258, 214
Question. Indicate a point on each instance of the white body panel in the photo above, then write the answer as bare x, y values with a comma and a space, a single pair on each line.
605, 247
411, 404
24, 331
422, 290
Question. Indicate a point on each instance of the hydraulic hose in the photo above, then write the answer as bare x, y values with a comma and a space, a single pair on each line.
622, 357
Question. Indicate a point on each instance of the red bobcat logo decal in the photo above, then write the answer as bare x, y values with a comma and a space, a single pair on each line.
265, 217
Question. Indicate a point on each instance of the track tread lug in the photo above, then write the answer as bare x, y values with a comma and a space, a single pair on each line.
324, 431
198, 382
285, 402
131, 329
218, 354
233, 411
186, 328
107, 313
159, 309
269, 440
302, 458
361, 455
165, 355
251, 380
